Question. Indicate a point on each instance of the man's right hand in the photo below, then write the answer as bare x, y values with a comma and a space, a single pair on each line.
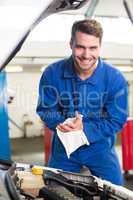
74, 125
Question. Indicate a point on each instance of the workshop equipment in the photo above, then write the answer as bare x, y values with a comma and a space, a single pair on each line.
47, 143
127, 146
4, 135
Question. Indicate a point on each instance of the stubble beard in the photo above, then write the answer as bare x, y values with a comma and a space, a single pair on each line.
84, 68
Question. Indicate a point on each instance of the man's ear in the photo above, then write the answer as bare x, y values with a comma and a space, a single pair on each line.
71, 43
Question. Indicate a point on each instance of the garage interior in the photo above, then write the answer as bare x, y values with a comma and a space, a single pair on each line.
48, 43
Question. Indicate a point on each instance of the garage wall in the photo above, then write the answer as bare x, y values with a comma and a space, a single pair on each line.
23, 108
131, 98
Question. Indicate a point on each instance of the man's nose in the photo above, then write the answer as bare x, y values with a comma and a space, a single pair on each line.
86, 53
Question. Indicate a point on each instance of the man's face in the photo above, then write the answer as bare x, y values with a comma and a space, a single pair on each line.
85, 50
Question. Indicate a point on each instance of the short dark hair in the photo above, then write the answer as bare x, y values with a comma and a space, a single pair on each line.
88, 26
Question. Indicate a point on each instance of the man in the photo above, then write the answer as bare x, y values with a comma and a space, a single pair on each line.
86, 84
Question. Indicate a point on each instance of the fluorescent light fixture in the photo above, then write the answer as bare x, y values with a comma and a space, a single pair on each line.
15, 68
125, 68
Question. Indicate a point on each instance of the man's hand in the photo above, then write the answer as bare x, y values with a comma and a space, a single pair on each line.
74, 125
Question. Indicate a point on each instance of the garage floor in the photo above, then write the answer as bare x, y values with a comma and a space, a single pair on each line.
31, 150
28, 150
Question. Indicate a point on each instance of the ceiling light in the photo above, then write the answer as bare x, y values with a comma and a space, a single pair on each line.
125, 68
14, 69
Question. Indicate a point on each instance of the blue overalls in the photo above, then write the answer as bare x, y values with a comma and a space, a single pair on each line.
101, 99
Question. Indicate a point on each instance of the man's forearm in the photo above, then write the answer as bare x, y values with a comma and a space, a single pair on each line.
51, 118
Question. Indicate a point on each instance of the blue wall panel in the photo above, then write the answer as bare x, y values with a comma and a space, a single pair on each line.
4, 135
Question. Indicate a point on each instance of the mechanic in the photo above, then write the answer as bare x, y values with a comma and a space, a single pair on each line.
86, 85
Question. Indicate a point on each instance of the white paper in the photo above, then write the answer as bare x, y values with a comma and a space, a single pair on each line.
72, 140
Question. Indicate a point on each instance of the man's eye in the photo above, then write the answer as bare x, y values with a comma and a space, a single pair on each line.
93, 48
79, 47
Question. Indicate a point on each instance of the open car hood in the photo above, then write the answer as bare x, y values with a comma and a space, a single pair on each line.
18, 18
27, 14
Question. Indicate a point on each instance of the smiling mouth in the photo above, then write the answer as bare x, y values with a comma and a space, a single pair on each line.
87, 61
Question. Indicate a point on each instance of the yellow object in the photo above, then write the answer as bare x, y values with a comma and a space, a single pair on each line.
37, 170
